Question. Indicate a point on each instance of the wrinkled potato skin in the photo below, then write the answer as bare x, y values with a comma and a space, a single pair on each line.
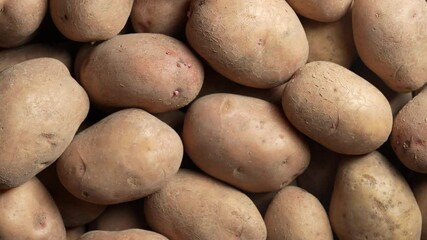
19, 21
321, 10
371, 200
41, 107
263, 46
195, 206
28, 212
88, 21
241, 140
392, 41
130, 234
337, 108
126, 156
296, 214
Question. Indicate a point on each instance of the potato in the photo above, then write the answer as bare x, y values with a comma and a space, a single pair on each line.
371, 200
126, 156
130, 234
75, 233
195, 206
41, 107
296, 214
88, 21
241, 140
255, 43
323, 10
420, 192
392, 41
28, 212
160, 16
337, 108
19, 21
150, 71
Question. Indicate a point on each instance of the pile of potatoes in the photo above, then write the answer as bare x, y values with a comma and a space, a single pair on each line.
213, 119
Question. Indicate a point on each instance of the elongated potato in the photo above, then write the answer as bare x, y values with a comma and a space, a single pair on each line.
195, 206
41, 107
337, 108
130, 234
321, 10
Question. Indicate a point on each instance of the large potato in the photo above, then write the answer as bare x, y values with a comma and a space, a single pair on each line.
241, 140
371, 200
41, 107
130, 234
126, 156
255, 43
321, 10
337, 108
195, 206
391, 39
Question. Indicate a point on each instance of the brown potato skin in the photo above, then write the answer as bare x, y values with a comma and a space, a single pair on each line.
241, 140
371, 200
88, 21
321, 10
392, 41
130, 234
19, 21
254, 43
337, 108
41, 107
296, 214
29, 212
121, 158
151, 71
195, 206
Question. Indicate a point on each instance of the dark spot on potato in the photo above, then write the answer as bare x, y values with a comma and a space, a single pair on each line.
202, 2
40, 220
64, 18
285, 183
237, 172
43, 164
370, 179
85, 194
50, 138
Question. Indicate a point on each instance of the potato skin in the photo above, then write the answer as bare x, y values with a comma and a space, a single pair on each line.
255, 43
129, 234
41, 107
371, 200
321, 10
195, 206
126, 156
337, 108
240, 140
392, 41
296, 214
28, 212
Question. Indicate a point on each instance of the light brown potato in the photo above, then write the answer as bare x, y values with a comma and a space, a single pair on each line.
150, 71
255, 43
392, 41
371, 200
195, 206
241, 140
420, 192
130, 234
321, 10
75, 233
28, 212
337, 108
88, 21
296, 214
19, 21
126, 156
41, 107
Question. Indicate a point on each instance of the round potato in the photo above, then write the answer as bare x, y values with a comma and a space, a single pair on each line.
241, 140
337, 108
129, 234
321, 10
41, 108
255, 43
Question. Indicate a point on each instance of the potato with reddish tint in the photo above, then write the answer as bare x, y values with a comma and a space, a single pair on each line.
130, 234
321, 10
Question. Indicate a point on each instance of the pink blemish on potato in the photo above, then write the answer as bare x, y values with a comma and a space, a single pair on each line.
176, 93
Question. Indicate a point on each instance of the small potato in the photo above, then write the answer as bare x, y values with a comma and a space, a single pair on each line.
296, 214
337, 108
130, 234
241, 140
371, 200
321, 10
28, 212
19, 21
41, 108
195, 206
126, 156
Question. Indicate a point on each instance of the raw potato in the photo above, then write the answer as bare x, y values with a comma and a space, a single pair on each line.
130, 234
88, 21
195, 206
255, 43
41, 107
371, 200
392, 41
150, 71
296, 214
19, 21
28, 212
321, 10
420, 192
337, 108
126, 156
241, 140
